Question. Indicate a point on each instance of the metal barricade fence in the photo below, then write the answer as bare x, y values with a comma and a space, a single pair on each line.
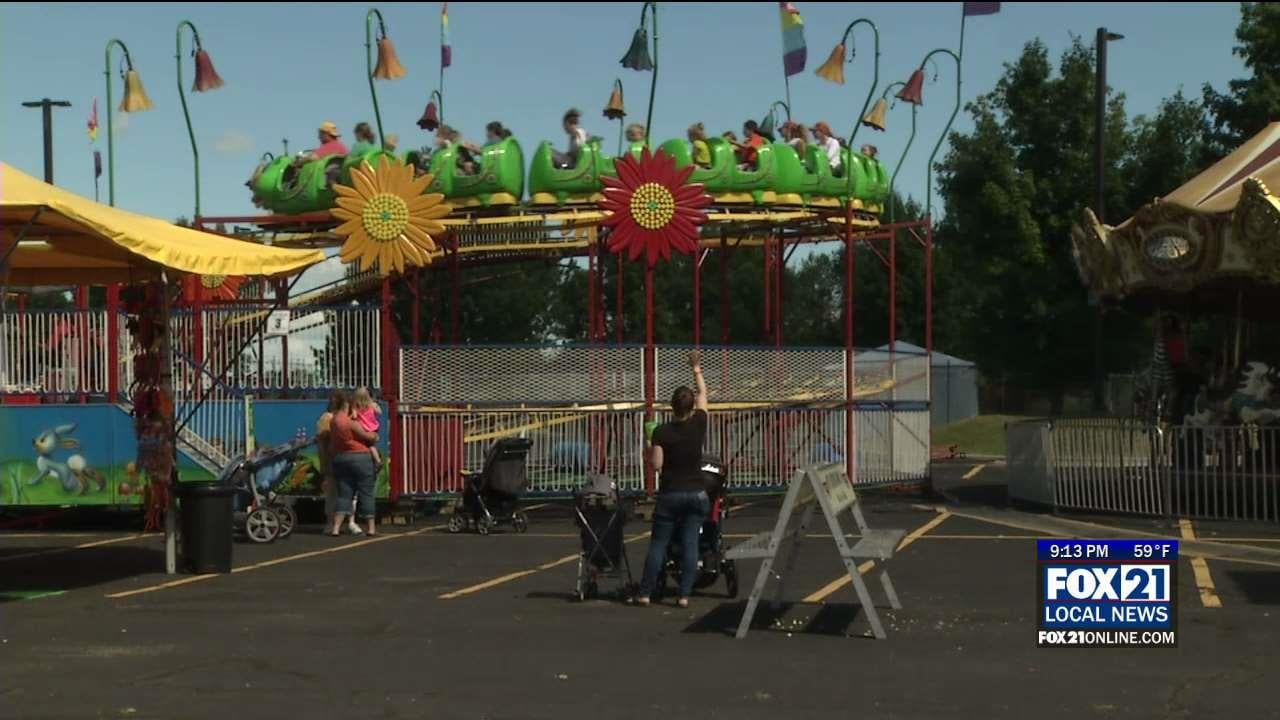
1108, 465
1124, 466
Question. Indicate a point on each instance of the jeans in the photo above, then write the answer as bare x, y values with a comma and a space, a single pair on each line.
356, 476
686, 510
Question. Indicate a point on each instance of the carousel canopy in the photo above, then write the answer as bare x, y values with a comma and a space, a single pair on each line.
1218, 188
1212, 245
65, 238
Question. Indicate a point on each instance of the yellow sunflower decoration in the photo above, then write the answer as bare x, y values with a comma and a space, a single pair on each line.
388, 221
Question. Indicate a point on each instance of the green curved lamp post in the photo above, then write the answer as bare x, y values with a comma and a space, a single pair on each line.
206, 79
638, 58
387, 68
928, 203
834, 72
893, 179
135, 100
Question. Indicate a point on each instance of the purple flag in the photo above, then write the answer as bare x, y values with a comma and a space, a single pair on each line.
446, 50
981, 8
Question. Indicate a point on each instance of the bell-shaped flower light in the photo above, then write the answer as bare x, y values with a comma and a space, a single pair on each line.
637, 57
912, 92
135, 96
206, 77
833, 69
614, 109
430, 119
388, 67
767, 123
875, 118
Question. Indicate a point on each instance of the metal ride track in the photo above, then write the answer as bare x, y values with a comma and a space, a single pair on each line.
516, 234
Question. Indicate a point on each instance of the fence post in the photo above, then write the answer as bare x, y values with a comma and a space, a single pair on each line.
1166, 470
390, 353
282, 303
113, 343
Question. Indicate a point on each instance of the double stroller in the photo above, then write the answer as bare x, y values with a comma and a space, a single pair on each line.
712, 564
491, 497
258, 510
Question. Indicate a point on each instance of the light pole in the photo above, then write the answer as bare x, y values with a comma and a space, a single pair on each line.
47, 106
135, 100
638, 58
206, 79
1100, 198
388, 66
833, 71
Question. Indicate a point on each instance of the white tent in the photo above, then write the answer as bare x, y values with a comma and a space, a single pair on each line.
954, 384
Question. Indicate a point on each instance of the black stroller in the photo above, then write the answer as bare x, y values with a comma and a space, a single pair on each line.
259, 511
711, 562
491, 497
601, 516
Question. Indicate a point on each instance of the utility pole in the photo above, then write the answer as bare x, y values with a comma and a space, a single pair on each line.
47, 106
1100, 199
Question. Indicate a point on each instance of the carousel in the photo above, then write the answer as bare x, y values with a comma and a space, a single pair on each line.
1204, 263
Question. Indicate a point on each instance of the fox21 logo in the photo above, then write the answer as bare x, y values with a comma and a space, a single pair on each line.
1106, 593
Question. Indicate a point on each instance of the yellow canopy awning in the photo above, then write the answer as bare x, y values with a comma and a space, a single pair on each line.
76, 240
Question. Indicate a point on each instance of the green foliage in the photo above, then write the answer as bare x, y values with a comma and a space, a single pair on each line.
1252, 102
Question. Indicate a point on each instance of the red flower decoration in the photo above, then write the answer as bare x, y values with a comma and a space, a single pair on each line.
653, 210
213, 287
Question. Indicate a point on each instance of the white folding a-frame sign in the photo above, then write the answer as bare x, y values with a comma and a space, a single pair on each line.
828, 488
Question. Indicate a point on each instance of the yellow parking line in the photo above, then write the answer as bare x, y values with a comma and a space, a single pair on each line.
973, 472
1200, 567
502, 579
865, 567
268, 563
81, 546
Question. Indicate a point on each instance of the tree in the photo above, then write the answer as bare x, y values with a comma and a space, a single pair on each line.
1012, 299
1251, 102
1165, 151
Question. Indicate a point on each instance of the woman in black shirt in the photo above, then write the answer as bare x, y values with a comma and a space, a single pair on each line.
682, 503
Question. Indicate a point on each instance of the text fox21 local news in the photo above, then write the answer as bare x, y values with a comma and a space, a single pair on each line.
1107, 593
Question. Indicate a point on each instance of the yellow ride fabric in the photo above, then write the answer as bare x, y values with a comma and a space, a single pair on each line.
76, 240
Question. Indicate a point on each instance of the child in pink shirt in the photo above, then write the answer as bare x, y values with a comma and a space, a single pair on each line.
367, 412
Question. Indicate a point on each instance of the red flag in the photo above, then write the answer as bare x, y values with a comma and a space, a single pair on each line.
981, 8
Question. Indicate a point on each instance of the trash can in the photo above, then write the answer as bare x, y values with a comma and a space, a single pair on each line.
206, 514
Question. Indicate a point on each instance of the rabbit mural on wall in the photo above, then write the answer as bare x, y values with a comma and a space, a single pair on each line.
74, 475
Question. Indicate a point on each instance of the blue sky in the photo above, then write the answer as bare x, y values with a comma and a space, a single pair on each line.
290, 66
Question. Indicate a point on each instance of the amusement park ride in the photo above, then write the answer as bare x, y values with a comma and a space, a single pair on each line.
405, 216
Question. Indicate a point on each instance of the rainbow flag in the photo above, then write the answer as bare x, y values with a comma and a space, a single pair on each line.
93, 122
446, 52
794, 51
